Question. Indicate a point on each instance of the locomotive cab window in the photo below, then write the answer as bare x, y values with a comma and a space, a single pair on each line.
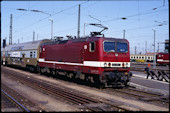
109, 46
92, 46
122, 47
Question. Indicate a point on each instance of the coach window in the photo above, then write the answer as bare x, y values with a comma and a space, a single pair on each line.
30, 54
92, 46
34, 54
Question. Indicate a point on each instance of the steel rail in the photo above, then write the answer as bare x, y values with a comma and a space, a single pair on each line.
142, 95
15, 101
72, 97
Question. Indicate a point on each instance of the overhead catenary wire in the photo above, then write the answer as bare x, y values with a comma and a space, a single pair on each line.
136, 28
134, 15
58, 21
65, 10
75, 27
44, 26
48, 17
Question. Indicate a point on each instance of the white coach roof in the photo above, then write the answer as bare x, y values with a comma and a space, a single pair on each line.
25, 46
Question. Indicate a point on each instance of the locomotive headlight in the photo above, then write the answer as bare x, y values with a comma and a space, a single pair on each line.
126, 64
105, 64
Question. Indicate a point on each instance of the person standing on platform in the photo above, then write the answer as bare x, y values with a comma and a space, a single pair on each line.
147, 70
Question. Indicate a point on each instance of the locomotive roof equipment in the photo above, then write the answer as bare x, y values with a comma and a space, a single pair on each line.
98, 33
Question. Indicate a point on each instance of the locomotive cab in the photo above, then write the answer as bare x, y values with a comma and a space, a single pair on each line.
116, 61
111, 58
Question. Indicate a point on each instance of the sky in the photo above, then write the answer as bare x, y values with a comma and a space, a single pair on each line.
135, 19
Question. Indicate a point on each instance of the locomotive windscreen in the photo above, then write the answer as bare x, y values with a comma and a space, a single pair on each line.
109, 46
122, 47
112, 47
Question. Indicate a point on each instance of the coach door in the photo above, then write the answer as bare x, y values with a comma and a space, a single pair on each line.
23, 60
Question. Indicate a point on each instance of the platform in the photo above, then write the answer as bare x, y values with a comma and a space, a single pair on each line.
139, 80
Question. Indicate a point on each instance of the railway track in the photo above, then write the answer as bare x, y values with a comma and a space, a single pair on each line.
154, 98
83, 102
13, 101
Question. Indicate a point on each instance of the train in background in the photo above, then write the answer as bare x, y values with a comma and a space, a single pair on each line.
162, 58
142, 58
95, 58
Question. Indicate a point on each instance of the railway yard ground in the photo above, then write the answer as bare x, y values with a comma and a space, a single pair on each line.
43, 93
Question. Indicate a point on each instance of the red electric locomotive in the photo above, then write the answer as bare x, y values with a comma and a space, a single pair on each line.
100, 60
162, 59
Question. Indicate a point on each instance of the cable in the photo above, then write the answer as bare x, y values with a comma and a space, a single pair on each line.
49, 16
59, 20
134, 15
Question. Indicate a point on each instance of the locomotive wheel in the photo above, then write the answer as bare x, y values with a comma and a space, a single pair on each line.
70, 75
126, 83
97, 82
31, 68
101, 86
86, 78
92, 79
52, 72
41, 71
67, 74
